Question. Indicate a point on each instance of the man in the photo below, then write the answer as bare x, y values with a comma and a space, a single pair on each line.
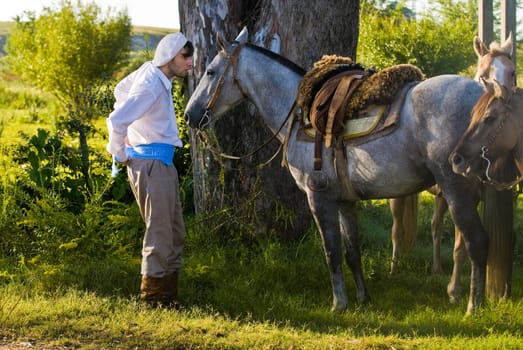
143, 134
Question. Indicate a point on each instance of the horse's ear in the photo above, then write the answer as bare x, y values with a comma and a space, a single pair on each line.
479, 47
223, 43
501, 91
243, 36
488, 86
275, 44
507, 45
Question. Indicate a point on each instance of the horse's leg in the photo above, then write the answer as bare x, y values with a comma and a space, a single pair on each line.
459, 254
440, 207
324, 209
462, 208
397, 207
350, 235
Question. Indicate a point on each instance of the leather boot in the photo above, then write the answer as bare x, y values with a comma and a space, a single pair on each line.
151, 290
162, 291
171, 287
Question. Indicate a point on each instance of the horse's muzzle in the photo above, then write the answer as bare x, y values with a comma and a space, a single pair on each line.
457, 162
186, 117
200, 123
190, 120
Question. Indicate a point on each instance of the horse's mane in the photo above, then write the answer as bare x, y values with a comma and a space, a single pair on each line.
482, 104
496, 50
279, 58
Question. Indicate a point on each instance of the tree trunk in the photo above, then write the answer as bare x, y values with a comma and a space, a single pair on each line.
498, 219
501, 246
305, 33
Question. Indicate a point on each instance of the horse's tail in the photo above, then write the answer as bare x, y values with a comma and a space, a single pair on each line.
410, 221
404, 212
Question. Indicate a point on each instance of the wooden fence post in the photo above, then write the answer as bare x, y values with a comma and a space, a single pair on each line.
498, 214
508, 24
485, 21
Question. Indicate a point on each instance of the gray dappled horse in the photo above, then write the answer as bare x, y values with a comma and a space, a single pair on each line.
494, 64
404, 162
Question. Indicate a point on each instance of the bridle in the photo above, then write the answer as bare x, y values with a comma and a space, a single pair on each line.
232, 62
484, 150
499, 186
206, 118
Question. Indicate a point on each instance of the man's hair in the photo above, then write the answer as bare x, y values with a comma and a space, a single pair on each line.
190, 49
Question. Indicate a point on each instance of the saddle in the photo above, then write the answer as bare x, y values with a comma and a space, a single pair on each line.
327, 114
342, 99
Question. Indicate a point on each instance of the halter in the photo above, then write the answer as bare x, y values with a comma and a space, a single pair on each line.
232, 62
484, 149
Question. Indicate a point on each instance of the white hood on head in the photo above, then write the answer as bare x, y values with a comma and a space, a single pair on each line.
168, 47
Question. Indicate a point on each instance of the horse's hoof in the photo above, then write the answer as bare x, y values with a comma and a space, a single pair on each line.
471, 310
338, 310
339, 307
365, 300
393, 266
453, 295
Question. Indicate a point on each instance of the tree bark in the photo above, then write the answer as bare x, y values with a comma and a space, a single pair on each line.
498, 220
305, 32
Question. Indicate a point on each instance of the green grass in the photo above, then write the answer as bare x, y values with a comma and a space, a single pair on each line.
242, 294
267, 295
137, 30
274, 297
5, 27
23, 109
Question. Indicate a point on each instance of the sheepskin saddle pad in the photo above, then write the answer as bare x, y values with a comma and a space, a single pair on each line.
343, 98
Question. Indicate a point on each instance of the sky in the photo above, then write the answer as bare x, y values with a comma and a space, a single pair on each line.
152, 13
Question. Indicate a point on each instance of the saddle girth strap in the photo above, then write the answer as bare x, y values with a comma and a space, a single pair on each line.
318, 139
342, 172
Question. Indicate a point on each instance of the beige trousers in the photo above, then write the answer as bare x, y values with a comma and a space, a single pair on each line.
156, 189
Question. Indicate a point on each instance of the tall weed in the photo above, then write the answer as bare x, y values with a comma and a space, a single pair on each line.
56, 232
12, 202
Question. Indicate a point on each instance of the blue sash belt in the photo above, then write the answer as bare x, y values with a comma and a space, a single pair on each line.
158, 151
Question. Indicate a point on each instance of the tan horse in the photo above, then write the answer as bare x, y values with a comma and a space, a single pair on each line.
495, 131
494, 63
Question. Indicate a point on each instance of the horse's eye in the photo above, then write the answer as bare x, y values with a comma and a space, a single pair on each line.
210, 72
489, 119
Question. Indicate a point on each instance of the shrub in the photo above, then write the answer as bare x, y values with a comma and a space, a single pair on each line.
438, 43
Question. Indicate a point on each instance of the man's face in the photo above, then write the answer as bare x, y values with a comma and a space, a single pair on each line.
181, 64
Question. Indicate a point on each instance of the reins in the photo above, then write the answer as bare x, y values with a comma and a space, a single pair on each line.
206, 119
203, 137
